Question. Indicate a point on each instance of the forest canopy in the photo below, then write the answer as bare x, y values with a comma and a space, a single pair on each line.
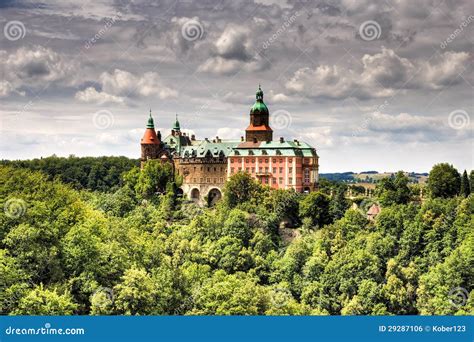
77, 244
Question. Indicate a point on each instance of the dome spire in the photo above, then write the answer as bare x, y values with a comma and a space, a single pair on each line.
176, 126
259, 94
150, 123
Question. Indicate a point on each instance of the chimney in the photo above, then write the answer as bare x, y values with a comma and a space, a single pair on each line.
206, 139
193, 137
241, 138
172, 132
282, 140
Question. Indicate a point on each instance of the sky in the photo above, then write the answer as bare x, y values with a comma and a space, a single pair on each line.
372, 85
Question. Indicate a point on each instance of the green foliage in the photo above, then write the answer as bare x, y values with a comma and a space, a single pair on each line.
444, 181
393, 190
139, 250
240, 189
40, 301
93, 173
465, 185
316, 207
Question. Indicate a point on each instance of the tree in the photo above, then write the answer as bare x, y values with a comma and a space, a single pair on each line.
465, 186
393, 190
339, 203
40, 301
240, 188
444, 181
316, 207
154, 178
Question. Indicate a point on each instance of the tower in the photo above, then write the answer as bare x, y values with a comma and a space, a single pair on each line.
151, 142
176, 130
259, 128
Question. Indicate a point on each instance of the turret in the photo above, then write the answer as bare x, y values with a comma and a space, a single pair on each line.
259, 128
151, 142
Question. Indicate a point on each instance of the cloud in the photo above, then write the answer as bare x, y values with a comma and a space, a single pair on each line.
382, 75
35, 67
120, 84
91, 95
234, 50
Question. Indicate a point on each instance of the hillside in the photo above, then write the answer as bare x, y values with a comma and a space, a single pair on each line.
133, 251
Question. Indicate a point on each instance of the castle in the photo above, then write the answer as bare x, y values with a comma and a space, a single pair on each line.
205, 165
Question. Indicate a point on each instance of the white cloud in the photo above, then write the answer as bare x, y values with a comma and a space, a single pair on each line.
382, 75
120, 85
91, 95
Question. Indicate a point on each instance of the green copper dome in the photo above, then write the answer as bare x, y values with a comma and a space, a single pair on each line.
150, 123
259, 105
176, 126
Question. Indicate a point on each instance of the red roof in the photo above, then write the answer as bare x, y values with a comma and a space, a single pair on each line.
259, 128
150, 137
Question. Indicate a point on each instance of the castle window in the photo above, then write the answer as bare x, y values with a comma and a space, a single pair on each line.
290, 180
215, 180
281, 170
306, 175
208, 169
222, 180
215, 169
281, 160
247, 169
253, 170
274, 160
280, 180
290, 160
274, 170
222, 169
231, 170
290, 169
208, 180
201, 180
232, 160
247, 160
266, 170
194, 180
253, 160
266, 160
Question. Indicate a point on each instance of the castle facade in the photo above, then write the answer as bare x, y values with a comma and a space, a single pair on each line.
205, 165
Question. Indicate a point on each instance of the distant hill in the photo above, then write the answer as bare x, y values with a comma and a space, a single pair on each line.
371, 176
